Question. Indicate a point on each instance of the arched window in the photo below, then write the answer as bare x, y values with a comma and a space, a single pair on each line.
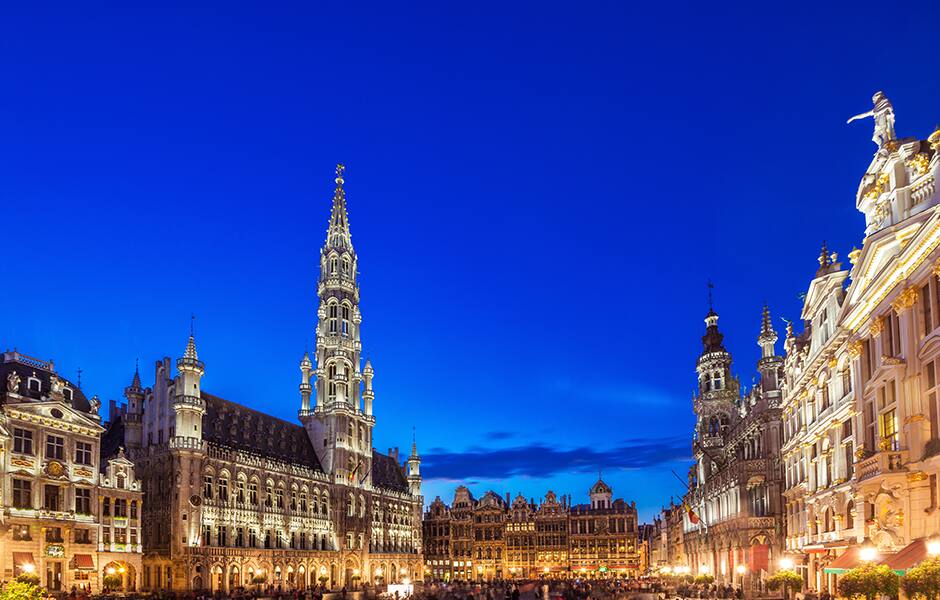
331, 394
350, 505
332, 264
362, 506
349, 432
345, 313
849, 519
333, 312
345, 266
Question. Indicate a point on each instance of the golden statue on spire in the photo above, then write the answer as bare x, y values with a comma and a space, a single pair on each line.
340, 169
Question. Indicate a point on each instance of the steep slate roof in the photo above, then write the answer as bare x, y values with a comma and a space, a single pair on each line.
24, 370
230, 424
387, 473
111, 440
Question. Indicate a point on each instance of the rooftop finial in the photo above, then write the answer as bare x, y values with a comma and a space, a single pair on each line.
711, 286
340, 169
192, 323
79, 378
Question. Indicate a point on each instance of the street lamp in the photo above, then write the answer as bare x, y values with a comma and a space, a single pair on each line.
868, 552
786, 563
933, 546
741, 569
28, 568
111, 571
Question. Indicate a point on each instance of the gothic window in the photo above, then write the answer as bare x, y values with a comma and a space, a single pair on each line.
345, 312
303, 502
253, 493
207, 487
333, 264
345, 266
333, 314
362, 506
279, 495
223, 489
351, 505
240, 491
332, 384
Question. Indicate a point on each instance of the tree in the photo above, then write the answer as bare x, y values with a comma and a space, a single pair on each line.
21, 590
923, 581
869, 581
112, 581
785, 580
705, 579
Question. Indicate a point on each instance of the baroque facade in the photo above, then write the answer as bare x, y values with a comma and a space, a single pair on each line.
499, 538
239, 498
733, 526
71, 503
862, 456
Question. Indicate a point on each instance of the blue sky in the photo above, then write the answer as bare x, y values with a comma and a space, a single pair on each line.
538, 194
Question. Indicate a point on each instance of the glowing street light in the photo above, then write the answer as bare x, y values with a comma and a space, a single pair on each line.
933, 546
111, 571
28, 568
786, 563
741, 569
868, 553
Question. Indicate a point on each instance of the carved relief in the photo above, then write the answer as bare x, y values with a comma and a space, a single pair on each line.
13, 382
905, 300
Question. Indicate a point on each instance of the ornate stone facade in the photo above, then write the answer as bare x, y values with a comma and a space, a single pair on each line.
495, 538
861, 397
71, 504
242, 499
733, 515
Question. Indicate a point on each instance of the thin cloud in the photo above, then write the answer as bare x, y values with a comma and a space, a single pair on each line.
540, 461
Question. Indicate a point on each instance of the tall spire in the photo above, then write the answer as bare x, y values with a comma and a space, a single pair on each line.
767, 337
136, 381
337, 235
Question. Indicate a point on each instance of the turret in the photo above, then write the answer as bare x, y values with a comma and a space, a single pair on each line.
367, 394
306, 369
770, 365
414, 469
133, 426
188, 403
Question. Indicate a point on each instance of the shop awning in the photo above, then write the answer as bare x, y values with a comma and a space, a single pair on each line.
847, 561
909, 556
23, 558
851, 559
84, 562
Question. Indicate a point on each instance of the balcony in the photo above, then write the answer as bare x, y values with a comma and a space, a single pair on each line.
185, 443
882, 463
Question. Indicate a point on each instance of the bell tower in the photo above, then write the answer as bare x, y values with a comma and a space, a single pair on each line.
340, 428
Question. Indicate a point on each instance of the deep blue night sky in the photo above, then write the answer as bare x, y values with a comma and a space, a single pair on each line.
538, 194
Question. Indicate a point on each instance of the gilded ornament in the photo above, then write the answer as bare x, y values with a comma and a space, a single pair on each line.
916, 476
833, 362
914, 419
55, 469
919, 163
936, 268
905, 300
22, 462
854, 254
885, 444
860, 453
855, 349
880, 185
934, 140
877, 326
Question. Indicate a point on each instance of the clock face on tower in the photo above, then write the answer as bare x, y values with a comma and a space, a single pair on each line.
195, 500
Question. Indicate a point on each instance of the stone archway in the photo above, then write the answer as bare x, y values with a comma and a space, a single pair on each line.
302, 577
234, 578
119, 576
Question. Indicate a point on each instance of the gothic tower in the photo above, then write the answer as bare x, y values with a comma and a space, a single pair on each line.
770, 365
414, 469
717, 398
133, 424
339, 427
186, 444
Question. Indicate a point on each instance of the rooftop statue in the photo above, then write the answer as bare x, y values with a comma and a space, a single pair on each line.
883, 113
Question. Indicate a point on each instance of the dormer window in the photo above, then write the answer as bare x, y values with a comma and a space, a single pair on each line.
34, 385
67, 392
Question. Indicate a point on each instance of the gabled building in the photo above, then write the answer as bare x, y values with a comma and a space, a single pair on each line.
71, 503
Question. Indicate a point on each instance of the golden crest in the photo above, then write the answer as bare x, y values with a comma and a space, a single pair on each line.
55, 469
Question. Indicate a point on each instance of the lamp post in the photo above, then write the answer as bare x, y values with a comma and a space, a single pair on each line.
741, 570
786, 563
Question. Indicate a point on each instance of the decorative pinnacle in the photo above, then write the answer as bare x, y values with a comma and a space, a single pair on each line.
136, 382
340, 169
824, 256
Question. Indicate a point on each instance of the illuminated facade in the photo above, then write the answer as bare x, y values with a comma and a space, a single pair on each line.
240, 499
735, 529
495, 538
71, 504
862, 450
